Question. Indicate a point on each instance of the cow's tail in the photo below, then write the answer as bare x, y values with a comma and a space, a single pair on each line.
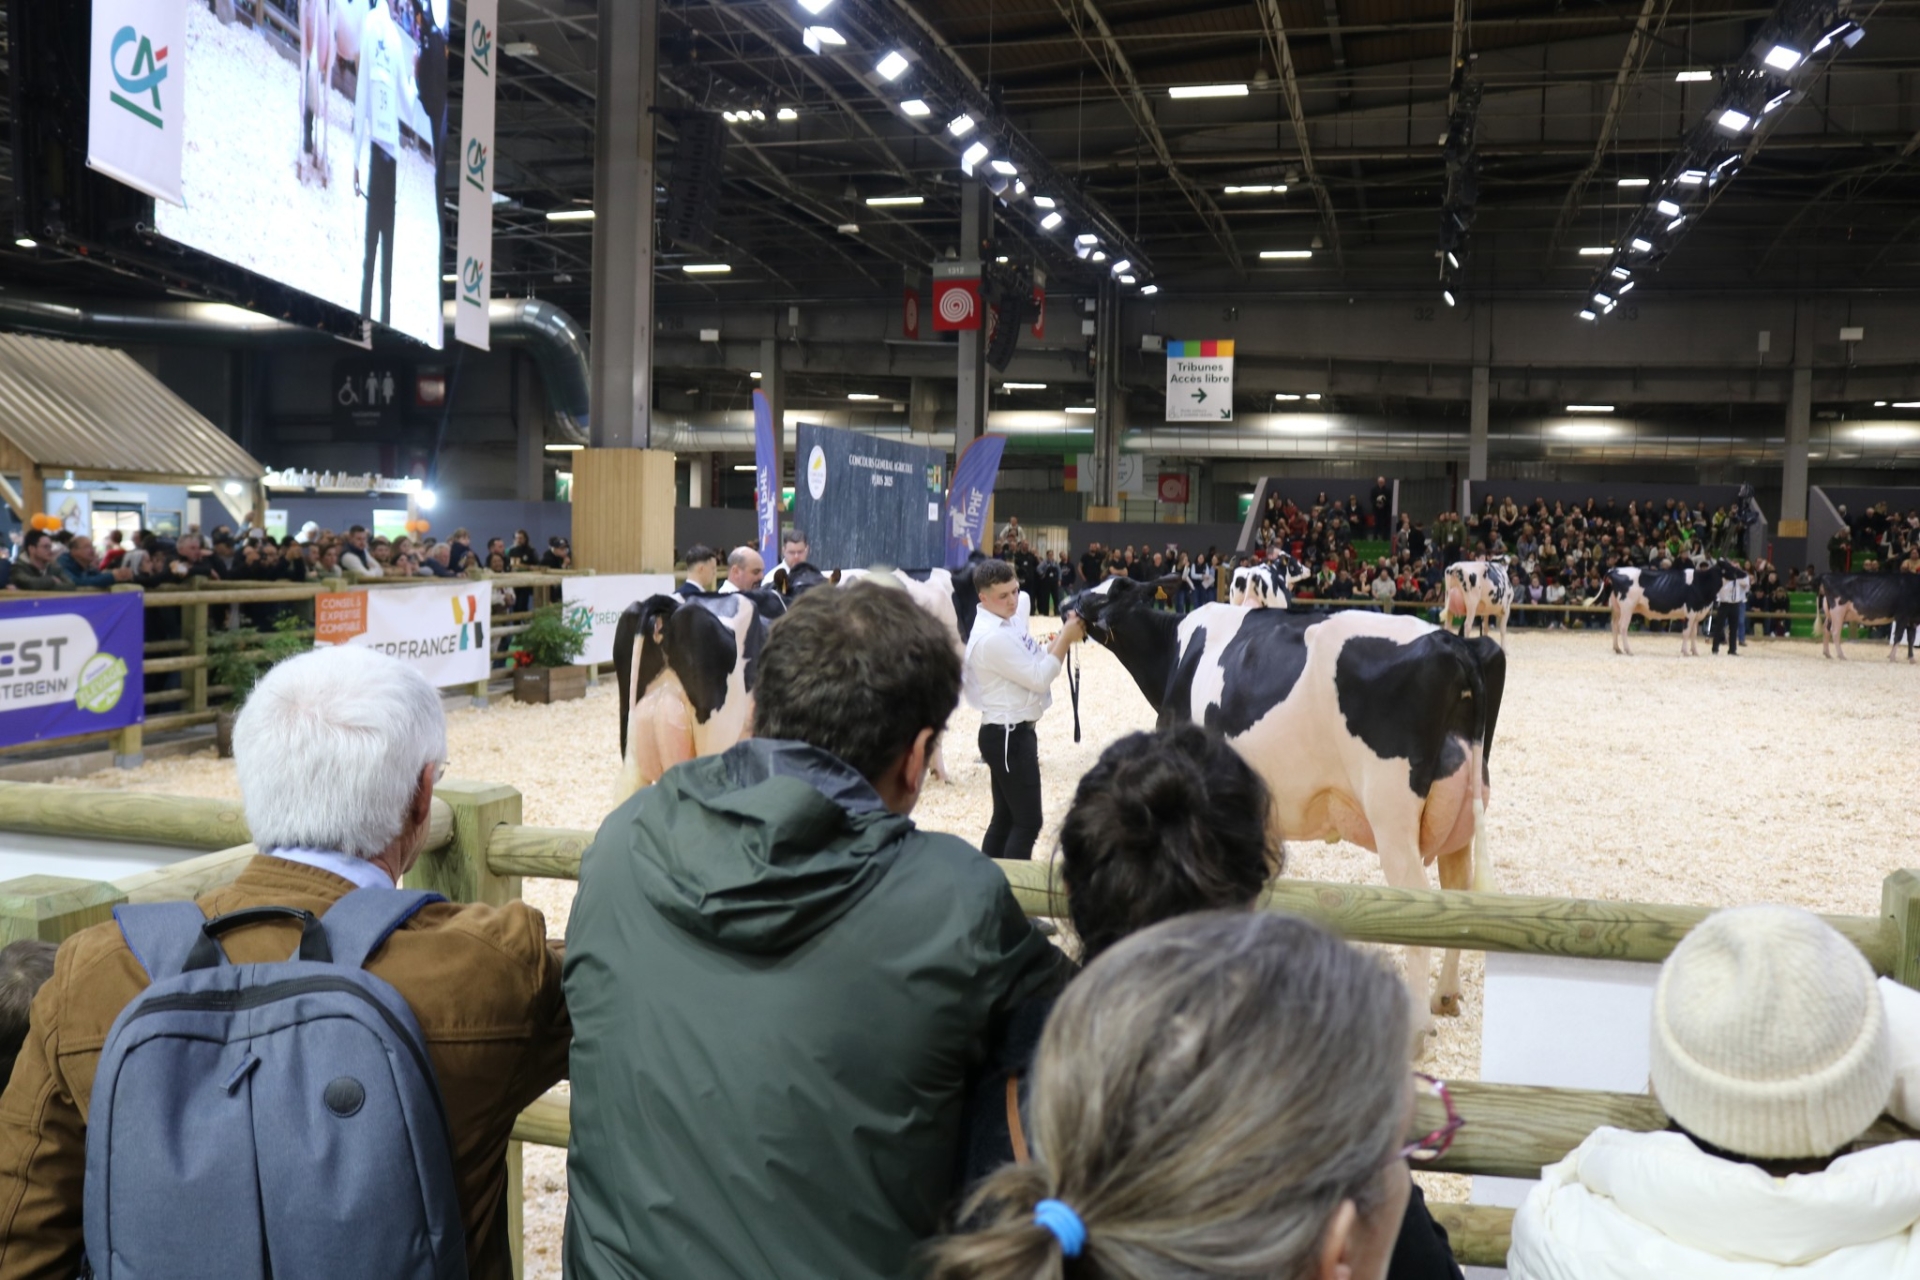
1605, 593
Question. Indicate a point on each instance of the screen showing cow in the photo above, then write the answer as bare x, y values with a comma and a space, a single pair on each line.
312, 137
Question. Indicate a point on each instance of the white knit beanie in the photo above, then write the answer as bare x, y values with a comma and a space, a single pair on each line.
1769, 1039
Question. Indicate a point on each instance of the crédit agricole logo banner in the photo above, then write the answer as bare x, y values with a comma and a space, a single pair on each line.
136, 95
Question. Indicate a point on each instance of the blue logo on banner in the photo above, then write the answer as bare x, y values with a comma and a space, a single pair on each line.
967, 499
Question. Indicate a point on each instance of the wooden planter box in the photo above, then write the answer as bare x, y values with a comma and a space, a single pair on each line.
549, 684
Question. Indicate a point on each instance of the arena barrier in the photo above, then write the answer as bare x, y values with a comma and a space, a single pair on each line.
214, 608
478, 851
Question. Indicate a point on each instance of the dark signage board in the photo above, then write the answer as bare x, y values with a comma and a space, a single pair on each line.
865, 500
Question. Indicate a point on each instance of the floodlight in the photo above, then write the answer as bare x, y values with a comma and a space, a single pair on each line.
815, 37
972, 156
1777, 100
1733, 120
1589, 408
1619, 273
1667, 207
1261, 189
1601, 299
815, 7
892, 65
861, 395
1313, 395
1784, 57
1285, 395
1640, 246
1448, 295
960, 125
1452, 261
1293, 254
1023, 386
1080, 408
1633, 182
1126, 279
27, 242
1693, 77
1019, 186
1086, 238
1006, 167
1626, 288
916, 108
1677, 223
1595, 250
1051, 221
1122, 265
1147, 289
786, 113
1207, 91
233, 488
887, 202
1691, 177
426, 499
1098, 255
1588, 315
1043, 202
706, 268
569, 215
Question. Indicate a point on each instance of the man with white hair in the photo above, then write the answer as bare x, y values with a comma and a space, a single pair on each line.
337, 753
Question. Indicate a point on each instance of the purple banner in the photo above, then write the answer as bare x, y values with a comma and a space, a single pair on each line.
766, 483
70, 666
967, 499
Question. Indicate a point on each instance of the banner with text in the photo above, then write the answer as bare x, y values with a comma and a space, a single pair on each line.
136, 95
864, 500
441, 630
1200, 381
70, 666
969, 496
766, 477
597, 602
474, 285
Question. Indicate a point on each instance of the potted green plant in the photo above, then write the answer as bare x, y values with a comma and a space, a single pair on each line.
237, 659
543, 657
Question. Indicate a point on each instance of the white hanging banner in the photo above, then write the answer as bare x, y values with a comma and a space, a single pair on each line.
1200, 381
597, 601
137, 94
442, 630
474, 285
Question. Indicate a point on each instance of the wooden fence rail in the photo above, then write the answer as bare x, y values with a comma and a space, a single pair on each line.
478, 851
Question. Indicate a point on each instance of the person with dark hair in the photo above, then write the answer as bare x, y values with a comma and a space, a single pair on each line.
37, 567
25, 967
703, 565
778, 983
1009, 679
1165, 824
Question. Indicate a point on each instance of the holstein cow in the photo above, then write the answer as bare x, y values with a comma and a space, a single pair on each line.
1663, 593
687, 670
1370, 727
1477, 589
1266, 584
1869, 599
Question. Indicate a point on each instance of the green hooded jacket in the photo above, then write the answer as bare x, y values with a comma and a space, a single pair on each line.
778, 988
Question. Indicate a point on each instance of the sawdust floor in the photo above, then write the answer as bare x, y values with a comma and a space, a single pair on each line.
1775, 776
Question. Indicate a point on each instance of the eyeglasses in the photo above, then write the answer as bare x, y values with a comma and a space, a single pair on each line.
1435, 1144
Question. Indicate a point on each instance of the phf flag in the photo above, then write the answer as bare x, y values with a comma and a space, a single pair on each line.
475, 284
766, 476
1200, 381
137, 94
441, 629
968, 496
69, 666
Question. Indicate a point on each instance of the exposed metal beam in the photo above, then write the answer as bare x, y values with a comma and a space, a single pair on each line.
1290, 86
1113, 64
1639, 45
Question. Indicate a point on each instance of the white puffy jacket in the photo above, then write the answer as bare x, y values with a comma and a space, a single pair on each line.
1650, 1206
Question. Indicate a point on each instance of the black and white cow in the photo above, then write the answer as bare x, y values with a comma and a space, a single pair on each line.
687, 671
1375, 728
1869, 599
1477, 589
1266, 584
1687, 593
797, 581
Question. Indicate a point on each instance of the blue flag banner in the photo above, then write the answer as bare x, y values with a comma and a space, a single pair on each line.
70, 666
967, 499
766, 484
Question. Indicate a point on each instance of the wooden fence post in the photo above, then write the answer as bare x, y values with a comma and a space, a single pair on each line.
127, 750
1900, 903
193, 627
459, 871
53, 908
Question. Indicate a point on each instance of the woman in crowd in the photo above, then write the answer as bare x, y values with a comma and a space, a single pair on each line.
1167, 824
1773, 1050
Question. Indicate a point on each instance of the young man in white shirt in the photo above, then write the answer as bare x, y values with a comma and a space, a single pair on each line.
376, 142
1009, 678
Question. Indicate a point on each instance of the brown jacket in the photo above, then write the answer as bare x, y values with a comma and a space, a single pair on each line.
481, 980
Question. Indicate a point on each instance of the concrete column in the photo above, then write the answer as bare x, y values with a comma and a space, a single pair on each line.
923, 406
699, 474
1793, 471
976, 242
1109, 404
623, 182
1477, 426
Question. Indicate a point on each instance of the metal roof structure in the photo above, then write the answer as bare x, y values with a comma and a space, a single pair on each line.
67, 405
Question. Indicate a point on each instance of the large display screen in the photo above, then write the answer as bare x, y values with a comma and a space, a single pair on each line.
311, 154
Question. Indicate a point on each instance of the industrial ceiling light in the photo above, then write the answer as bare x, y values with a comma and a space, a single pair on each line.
569, 215
1313, 395
1667, 208
1691, 177
1906, 404
916, 108
814, 38
1733, 120
1149, 289
1452, 261
446, 279
1693, 77
890, 202
1262, 189
1595, 250
1286, 254
1122, 265
1601, 299
1848, 33
1640, 246
1019, 186
565, 448
960, 125
972, 156
815, 7
1126, 279
786, 113
1619, 273
1285, 395
861, 395
1879, 404
848, 228
1006, 167
1051, 221
707, 268
1634, 182
1777, 100
1589, 408
1043, 202
754, 374
1080, 408
27, 242
1207, 91
426, 499
893, 65
1588, 315
1626, 288
758, 114
1023, 386
1098, 255
1784, 57
1677, 223
1448, 295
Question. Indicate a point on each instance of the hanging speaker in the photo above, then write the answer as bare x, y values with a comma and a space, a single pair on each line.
693, 181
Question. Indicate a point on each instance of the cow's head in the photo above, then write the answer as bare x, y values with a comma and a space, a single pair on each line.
1101, 606
800, 579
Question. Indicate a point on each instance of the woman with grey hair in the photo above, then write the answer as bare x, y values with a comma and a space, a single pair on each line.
1225, 1094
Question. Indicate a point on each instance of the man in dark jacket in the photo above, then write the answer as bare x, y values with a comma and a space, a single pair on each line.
778, 983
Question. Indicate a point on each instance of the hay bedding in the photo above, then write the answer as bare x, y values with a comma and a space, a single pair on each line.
1774, 776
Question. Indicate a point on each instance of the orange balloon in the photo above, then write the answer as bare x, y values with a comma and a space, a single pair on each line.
424, 526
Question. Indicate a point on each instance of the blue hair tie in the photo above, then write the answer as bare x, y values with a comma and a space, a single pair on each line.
1057, 1217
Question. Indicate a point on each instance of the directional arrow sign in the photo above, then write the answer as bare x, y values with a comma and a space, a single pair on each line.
1200, 381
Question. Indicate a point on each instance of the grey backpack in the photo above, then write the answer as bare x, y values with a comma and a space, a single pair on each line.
269, 1120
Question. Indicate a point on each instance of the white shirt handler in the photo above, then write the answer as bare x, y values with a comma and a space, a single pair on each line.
1009, 676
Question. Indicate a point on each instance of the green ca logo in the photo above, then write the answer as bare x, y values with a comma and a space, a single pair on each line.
143, 77
473, 282
103, 678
